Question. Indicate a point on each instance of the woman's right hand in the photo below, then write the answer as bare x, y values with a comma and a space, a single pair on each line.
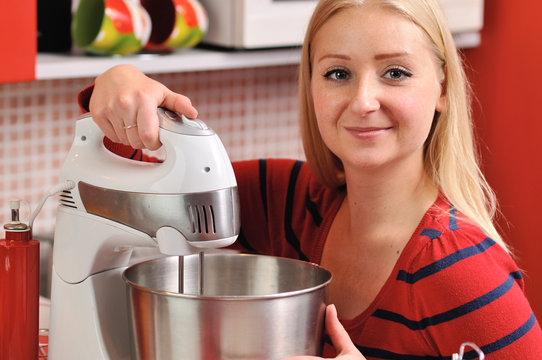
344, 347
124, 96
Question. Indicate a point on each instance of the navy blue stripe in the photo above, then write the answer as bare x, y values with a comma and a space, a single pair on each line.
242, 240
452, 314
432, 234
385, 354
263, 183
288, 230
510, 338
452, 223
470, 355
134, 154
313, 210
487, 349
445, 262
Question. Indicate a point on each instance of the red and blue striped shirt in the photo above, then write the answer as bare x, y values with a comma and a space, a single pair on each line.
450, 285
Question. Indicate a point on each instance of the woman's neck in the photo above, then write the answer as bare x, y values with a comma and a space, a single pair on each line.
380, 201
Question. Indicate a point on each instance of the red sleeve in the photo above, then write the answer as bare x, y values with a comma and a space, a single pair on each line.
83, 98
262, 188
284, 210
254, 236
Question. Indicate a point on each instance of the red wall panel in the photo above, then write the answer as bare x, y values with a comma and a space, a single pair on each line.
18, 37
504, 74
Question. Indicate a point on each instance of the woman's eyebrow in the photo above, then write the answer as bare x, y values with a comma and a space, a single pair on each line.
385, 56
334, 56
378, 57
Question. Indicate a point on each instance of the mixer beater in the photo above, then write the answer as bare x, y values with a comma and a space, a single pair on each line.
201, 269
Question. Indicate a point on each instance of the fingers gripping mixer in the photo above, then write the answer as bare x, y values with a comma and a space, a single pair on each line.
122, 212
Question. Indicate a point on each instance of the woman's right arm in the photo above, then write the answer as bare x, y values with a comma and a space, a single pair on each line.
124, 96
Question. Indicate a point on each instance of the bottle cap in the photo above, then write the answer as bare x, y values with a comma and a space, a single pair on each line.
15, 224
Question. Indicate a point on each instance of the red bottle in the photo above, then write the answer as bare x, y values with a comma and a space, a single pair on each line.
19, 290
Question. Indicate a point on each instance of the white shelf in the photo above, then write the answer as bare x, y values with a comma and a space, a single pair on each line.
60, 66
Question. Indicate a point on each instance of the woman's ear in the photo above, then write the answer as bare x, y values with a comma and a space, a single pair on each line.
441, 102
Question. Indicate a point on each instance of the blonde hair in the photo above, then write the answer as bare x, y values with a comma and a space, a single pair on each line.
450, 157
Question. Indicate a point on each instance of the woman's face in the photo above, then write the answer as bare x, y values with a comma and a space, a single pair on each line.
376, 86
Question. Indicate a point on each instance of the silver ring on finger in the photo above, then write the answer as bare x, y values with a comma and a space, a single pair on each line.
130, 126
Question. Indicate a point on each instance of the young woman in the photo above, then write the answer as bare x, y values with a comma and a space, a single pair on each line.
391, 199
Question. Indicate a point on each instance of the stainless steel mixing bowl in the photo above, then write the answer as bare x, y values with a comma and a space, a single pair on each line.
252, 307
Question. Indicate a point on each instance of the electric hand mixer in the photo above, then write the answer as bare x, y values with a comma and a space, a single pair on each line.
122, 212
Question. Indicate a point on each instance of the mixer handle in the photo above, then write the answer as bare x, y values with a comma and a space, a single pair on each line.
195, 159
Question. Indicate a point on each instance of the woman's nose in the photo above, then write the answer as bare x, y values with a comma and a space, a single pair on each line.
365, 97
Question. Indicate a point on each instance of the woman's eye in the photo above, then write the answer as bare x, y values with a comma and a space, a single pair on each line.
337, 74
397, 74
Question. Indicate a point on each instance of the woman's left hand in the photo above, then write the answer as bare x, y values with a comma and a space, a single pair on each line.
344, 346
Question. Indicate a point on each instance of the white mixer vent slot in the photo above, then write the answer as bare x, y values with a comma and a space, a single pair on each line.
202, 219
66, 199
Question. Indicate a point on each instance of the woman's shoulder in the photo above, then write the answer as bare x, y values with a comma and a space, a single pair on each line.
447, 240
452, 265
460, 279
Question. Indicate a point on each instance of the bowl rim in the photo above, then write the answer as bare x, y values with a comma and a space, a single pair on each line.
281, 295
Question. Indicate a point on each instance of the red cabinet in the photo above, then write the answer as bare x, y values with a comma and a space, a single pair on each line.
18, 38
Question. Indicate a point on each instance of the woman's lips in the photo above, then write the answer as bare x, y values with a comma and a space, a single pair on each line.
367, 132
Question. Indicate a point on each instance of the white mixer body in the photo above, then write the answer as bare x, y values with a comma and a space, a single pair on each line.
122, 212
